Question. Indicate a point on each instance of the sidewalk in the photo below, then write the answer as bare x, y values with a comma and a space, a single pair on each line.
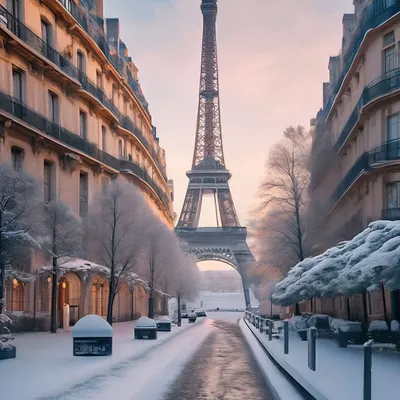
339, 374
45, 363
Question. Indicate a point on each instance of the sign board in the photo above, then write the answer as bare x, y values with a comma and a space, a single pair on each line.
92, 346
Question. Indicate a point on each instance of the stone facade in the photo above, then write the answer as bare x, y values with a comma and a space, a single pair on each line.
356, 145
73, 115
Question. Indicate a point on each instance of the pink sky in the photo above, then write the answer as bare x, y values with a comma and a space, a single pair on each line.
273, 58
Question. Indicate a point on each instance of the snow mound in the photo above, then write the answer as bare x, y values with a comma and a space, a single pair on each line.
378, 326
144, 322
337, 324
395, 326
92, 326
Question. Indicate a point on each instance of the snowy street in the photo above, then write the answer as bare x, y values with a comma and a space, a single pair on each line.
208, 360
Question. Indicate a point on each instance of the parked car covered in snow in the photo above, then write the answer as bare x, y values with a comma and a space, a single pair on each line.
184, 314
201, 313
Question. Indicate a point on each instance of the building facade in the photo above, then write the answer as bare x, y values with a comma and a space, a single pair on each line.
73, 116
355, 159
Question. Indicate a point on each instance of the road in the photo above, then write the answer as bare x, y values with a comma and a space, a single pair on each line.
222, 368
209, 360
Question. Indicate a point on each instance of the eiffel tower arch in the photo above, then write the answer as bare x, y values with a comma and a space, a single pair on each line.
226, 241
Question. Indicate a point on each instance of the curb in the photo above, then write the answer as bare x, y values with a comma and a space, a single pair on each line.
305, 392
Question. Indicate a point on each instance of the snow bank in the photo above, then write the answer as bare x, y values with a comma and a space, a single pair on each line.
92, 326
350, 267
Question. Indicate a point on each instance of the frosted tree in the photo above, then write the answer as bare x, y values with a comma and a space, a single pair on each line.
163, 257
5, 333
61, 238
116, 230
17, 203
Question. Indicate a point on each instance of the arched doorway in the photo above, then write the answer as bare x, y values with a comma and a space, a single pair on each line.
99, 296
15, 300
69, 292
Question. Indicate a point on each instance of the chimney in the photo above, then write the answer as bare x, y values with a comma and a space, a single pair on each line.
348, 28
112, 31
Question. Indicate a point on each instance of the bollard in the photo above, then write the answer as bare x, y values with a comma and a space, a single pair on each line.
286, 336
367, 369
271, 326
261, 325
312, 348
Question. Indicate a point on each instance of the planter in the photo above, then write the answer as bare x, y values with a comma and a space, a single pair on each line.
145, 328
7, 353
346, 338
303, 334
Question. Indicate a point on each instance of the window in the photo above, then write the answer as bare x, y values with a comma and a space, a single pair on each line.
53, 107
17, 84
120, 153
81, 62
390, 59
83, 124
45, 32
393, 127
388, 39
389, 3
99, 79
47, 182
393, 195
83, 194
103, 138
17, 156
14, 8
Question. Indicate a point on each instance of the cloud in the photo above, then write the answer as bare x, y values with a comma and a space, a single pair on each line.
273, 58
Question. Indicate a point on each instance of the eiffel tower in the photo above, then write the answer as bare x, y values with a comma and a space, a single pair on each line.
209, 176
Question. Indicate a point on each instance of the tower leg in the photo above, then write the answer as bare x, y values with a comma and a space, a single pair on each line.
246, 292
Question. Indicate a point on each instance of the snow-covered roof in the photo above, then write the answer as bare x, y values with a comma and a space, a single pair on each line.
90, 326
144, 322
78, 264
351, 267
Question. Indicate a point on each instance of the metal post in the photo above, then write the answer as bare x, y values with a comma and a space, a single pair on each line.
286, 336
312, 348
367, 369
271, 325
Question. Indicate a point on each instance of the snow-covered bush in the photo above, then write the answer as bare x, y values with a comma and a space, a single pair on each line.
337, 324
395, 326
5, 333
375, 326
351, 267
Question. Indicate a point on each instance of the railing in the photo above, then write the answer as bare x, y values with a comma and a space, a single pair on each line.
34, 41
389, 151
227, 229
40, 122
374, 15
391, 214
384, 85
93, 26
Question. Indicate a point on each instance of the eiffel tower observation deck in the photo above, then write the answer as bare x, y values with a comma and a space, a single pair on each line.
208, 175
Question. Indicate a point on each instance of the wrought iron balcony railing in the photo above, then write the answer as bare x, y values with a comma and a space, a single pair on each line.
375, 14
34, 41
386, 152
391, 214
21, 111
384, 85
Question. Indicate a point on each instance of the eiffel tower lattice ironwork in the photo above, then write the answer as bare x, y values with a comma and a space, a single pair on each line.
209, 175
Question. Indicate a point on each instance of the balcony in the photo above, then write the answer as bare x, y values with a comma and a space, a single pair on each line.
375, 14
391, 214
54, 130
382, 86
35, 42
387, 153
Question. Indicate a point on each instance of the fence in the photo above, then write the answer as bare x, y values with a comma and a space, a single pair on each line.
266, 325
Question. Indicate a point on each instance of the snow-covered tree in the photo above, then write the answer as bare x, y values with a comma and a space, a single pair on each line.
116, 229
61, 237
17, 202
5, 333
283, 198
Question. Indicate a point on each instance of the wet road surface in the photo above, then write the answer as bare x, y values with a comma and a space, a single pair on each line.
222, 369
